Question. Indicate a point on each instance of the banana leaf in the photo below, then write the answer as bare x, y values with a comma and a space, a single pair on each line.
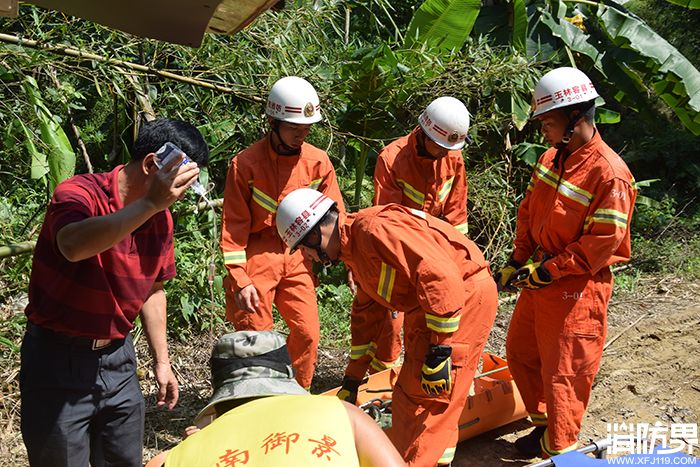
444, 24
40, 165
519, 25
673, 77
573, 37
605, 116
61, 158
528, 152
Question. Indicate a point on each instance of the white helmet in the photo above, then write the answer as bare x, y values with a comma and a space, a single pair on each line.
299, 212
561, 87
446, 121
294, 100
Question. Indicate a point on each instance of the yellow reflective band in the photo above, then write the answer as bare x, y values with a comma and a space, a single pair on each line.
447, 456
566, 188
544, 444
463, 228
381, 366
235, 257
265, 201
315, 184
445, 190
610, 216
359, 351
538, 419
386, 282
440, 324
531, 184
411, 192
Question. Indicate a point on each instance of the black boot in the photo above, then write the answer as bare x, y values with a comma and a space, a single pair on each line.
529, 445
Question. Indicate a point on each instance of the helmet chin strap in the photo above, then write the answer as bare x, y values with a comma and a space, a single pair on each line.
422, 151
326, 262
562, 152
283, 148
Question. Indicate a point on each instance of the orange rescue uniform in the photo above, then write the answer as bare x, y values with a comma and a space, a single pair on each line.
257, 180
421, 266
578, 216
435, 186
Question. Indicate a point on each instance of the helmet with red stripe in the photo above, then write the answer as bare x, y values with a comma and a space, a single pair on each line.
446, 122
294, 100
299, 212
562, 87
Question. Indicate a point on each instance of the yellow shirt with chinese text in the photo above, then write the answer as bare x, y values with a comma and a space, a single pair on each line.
274, 431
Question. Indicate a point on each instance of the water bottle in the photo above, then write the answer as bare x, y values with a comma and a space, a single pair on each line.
169, 150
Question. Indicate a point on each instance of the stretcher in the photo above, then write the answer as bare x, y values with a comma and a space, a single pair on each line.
493, 402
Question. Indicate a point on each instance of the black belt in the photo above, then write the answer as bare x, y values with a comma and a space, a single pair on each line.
82, 342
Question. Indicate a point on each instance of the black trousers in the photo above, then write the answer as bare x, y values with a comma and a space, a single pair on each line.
80, 405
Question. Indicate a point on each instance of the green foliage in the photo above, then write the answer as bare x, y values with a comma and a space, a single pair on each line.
372, 90
196, 294
444, 24
694, 4
673, 23
678, 256
59, 163
334, 304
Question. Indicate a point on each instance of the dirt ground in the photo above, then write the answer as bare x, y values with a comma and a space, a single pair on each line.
649, 373
650, 370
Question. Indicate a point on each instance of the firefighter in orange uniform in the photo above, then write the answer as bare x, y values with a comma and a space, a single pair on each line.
423, 170
410, 261
260, 269
573, 224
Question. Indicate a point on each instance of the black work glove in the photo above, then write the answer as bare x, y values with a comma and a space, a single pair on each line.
436, 374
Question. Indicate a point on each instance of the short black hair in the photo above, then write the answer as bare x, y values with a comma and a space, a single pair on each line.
154, 134
330, 217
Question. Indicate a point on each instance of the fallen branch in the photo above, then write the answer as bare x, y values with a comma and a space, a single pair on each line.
623, 331
71, 52
16, 249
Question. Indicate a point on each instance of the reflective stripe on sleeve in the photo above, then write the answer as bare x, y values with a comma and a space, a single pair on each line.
445, 190
264, 200
387, 276
411, 192
440, 324
235, 257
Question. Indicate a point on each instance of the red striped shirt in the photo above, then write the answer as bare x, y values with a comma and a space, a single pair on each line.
99, 297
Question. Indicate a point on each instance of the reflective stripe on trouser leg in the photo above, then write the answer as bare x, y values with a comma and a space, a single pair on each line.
548, 451
424, 427
538, 419
447, 456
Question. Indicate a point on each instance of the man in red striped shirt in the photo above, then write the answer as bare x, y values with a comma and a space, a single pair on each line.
103, 253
